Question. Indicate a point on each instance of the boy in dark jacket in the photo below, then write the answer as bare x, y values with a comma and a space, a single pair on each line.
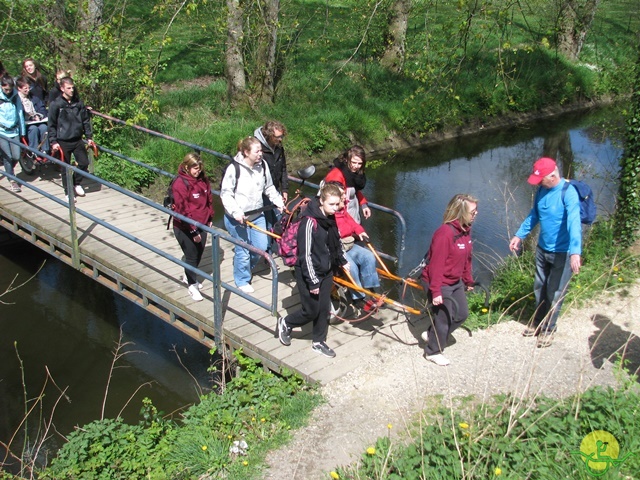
68, 123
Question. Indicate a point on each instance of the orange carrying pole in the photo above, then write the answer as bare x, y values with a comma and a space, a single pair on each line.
353, 286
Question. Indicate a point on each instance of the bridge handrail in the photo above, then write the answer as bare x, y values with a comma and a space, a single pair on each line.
215, 233
197, 148
382, 208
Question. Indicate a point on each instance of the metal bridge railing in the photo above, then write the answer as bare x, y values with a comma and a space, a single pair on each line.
216, 234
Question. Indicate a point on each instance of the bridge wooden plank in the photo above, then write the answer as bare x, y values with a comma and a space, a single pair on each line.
244, 323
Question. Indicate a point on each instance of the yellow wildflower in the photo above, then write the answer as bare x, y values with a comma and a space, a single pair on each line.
204, 448
253, 419
263, 420
229, 437
620, 279
389, 426
615, 269
245, 463
371, 451
498, 471
485, 310
463, 425
513, 298
334, 475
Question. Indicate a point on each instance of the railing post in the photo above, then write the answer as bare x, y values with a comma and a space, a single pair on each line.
75, 248
217, 294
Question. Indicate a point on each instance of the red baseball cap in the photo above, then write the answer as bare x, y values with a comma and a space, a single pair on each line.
543, 167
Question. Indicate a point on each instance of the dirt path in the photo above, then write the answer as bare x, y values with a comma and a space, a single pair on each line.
392, 388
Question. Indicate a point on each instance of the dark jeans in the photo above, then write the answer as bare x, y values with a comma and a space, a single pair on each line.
192, 251
447, 317
553, 272
79, 151
315, 308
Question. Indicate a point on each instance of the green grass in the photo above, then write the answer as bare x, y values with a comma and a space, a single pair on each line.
508, 437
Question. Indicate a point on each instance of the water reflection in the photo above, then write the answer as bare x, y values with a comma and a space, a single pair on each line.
64, 321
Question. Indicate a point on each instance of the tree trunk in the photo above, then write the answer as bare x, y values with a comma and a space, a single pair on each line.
57, 45
393, 56
88, 25
574, 20
265, 72
234, 60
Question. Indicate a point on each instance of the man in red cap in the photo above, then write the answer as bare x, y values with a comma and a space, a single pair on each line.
559, 245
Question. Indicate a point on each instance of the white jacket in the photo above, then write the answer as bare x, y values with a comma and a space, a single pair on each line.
244, 193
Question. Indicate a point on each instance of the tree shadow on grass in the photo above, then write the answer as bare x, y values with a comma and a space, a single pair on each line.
611, 342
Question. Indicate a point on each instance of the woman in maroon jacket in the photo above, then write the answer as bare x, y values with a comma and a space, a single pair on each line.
192, 198
448, 275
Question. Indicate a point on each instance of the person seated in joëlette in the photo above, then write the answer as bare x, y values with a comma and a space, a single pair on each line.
35, 115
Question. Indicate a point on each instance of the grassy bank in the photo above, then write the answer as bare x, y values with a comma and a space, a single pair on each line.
332, 93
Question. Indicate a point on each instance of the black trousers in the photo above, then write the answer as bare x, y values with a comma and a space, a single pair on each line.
79, 151
192, 251
447, 317
315, 308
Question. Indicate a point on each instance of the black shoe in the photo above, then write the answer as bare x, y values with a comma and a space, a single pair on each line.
324, 349
284, 332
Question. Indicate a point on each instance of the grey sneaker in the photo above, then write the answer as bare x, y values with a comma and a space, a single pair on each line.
284, 332
15, 187
324, 349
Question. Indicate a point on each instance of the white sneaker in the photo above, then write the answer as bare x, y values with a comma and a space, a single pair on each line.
186, 282
195, 293
425, 335
66, 197
438, 359
246, 288
79, 190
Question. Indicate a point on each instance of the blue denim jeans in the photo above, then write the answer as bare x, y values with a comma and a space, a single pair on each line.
244, 260
553, 272
362, 262
10, 153
35, 134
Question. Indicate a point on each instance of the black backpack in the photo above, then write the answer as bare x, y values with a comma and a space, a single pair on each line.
168, 201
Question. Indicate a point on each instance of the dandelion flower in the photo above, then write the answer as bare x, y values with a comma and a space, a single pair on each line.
253, 419
498, 471
229, 437
245, 463
463, 425
485, 310
620, 279
371, 451
334, 475
204, 448
615, 269
263, 420
389, 426
513, 298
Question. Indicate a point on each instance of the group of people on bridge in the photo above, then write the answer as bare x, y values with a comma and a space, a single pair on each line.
330, 237
50, 121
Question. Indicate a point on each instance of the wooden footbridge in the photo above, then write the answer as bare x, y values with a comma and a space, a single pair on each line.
119, 239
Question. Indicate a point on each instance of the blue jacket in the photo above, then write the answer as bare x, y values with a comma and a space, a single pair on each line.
560, 227
11, 115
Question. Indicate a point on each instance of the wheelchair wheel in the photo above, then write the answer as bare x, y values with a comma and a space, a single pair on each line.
28, 162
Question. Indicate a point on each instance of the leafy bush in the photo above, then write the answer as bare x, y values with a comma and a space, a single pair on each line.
257, 407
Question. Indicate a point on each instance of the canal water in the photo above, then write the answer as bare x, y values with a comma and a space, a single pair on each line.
62, 321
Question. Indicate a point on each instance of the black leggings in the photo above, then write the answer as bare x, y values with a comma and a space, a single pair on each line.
454, 305
192, 251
